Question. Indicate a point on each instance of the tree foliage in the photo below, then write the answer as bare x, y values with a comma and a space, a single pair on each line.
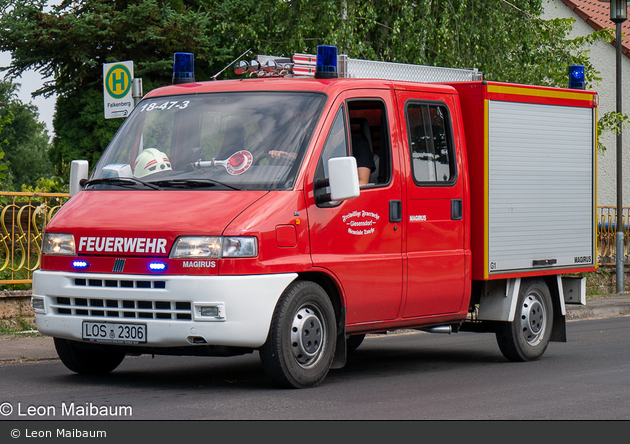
4, 120
612, 122
507, 41
69, 45
25, 141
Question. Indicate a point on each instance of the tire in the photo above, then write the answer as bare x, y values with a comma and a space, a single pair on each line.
353, 342
85, 361
301, 343
527, 337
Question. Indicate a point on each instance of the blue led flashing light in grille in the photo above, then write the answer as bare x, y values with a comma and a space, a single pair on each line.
80, 264
326, 67
183, 68
576, 77
157, 266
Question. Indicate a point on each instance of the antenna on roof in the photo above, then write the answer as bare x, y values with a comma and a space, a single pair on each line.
214, 77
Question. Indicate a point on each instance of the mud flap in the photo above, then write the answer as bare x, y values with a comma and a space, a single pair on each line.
559, 330
341, 350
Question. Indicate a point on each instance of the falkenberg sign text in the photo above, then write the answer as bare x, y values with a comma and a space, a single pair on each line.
117, 80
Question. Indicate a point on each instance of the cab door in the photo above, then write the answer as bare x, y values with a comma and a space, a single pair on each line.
435, 222
359, 241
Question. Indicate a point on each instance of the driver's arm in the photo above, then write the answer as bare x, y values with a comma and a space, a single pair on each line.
364, 175
277, 154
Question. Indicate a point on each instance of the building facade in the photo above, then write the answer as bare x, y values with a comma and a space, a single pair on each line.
591, 15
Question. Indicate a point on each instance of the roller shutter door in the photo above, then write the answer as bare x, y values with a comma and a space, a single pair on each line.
540, 186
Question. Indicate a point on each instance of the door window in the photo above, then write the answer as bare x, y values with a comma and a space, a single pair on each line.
430, 143
336, 146
336, 143
368, 127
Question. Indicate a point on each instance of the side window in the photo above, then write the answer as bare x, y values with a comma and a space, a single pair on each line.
336, 146
336, 143
430, 143
370, 139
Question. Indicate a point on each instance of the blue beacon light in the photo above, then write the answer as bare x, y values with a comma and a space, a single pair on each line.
80, 264
576, 77
157, 266
326, 65
183, 68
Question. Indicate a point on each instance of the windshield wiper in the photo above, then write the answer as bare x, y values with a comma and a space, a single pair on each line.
193, 183
119, 181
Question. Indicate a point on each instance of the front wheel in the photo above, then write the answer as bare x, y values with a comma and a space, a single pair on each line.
81, 359
527, 337
301, 343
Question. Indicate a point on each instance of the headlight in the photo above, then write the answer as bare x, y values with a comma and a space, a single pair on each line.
213, 247
197, 247
59, 244
240, 247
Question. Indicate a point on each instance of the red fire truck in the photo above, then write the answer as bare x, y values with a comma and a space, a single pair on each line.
227, 217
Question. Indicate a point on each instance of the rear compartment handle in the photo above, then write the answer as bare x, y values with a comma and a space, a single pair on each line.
544, 262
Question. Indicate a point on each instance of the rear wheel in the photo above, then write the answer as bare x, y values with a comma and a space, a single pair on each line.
301, 343
527, 337
81, 359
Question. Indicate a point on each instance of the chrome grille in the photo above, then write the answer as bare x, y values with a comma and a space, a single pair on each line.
123, 308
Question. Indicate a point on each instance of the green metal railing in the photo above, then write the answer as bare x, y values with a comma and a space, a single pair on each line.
23, 217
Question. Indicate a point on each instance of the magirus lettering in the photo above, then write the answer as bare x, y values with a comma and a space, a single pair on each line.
582, 259
200, 264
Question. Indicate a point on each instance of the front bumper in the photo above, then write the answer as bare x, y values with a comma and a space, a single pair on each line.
169, 306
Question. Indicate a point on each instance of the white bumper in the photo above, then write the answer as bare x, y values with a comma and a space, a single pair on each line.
169, 306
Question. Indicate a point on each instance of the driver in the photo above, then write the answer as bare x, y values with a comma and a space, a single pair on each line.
360, 150
150, 161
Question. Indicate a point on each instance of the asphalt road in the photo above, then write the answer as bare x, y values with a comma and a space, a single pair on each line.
404, 376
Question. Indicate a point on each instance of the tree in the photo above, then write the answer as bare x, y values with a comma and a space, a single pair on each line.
70, 44
507, 41
25, 141
4, 120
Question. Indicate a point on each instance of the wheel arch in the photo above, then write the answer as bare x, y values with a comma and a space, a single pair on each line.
498, 300
559, 329
335, 293
330, 285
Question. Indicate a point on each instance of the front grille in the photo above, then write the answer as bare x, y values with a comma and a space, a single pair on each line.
123, 308
120, 283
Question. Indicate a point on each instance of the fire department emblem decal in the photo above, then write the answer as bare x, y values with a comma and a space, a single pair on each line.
361, 223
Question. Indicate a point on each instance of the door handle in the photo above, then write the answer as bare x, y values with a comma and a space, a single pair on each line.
457, 210
395, 210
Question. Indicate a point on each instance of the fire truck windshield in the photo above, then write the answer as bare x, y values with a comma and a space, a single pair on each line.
213, 141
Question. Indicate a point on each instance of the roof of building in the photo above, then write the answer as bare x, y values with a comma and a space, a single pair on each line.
597, 14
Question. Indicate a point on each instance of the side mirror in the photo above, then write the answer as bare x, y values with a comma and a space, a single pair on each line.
78, 171
343, 177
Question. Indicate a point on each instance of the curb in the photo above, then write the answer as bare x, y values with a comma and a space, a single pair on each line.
599, 308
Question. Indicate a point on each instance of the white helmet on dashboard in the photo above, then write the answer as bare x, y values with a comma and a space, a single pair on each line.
151, 161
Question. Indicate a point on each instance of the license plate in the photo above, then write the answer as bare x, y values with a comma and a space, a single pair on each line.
115, 333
